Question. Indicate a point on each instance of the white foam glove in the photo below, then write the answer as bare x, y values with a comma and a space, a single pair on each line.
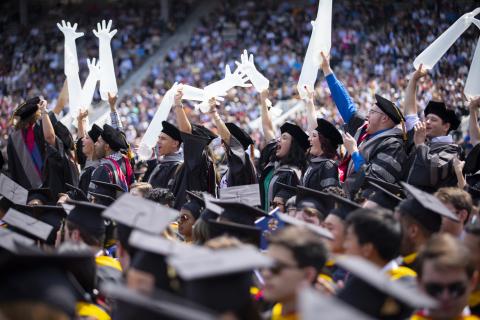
91, 82
247, 65
108, 81
472, 85
220, 88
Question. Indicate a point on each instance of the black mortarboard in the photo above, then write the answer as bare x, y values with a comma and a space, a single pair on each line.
62, 132
195, 204
371, 291
244, 233
312, 303
131, 304
390, 109
329, 131
383, 197
10, 239
320, 231
239, 212
343, 206
311, 198
472, 162
447, 115
114, 138
42, 194
95, 132
391, 187
198, 197
239, 134
27, 108
88, 217
425, 208
285, 191
107, 189
76, 193
297, 134
220, 279
27, 225
171, 131
99, 198
53, 215
138, 213
203, 132
12, 190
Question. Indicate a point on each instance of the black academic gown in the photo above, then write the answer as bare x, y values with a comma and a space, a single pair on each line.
20, 164
320, 174
384, 155
59, 168
151, 165
430, 166
286, 174
163, 175
106, 172
240, 168
197, 173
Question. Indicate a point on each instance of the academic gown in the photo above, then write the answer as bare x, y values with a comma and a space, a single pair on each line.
384, 154
20, 164
430, 166
272, 173
86, 175
106, 172
164, 173
320, 174
240, 168
151, 165
197, 173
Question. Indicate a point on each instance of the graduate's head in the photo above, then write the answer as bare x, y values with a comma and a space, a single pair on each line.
101, 148
85, 224
439, 120
374, 235
169, 140
89, 140
292, 145
460, 203
447, 273
324, 140
110, 141
27, 113
299, 256
189, 214
383, 115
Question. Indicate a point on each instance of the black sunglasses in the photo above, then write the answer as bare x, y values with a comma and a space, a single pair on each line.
455, 289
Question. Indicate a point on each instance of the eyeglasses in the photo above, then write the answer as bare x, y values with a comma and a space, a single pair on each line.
455, 289
375, 111
279, 267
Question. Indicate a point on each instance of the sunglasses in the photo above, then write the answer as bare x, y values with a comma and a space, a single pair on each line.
279, 267
455, 289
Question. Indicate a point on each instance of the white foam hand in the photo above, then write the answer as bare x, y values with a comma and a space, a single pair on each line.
430, 56
220, 88
320, 40
70, 49
192, 93
247, 65
91, 82
108, 81
472, 85
155, 127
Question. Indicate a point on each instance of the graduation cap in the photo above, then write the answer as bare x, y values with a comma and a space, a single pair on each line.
343, 206
220, 279
285, 191
194, 196
171, 131
107, 189
312, 303
114, 138
383, 197
10, 239
138, 213
239, 134
154, 243
329, 131
101, 199
95, 132
390, 109
12, 190
42, 194
439, 108
203, 132
310, 198
297, 134
28, 108
131, 304
373, 292
425, 208
87, 216
249, 194
195, 205
76, 193
391, 187
28, 225
472, 162
53, 215
320, 231
62, 132
246, 234
239, 212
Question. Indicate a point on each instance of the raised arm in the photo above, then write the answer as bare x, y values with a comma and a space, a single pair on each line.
311, 113
267, 124
62, 99
340, 95
81, 120
222, 128
473, 127
112, 101
48, 131
410, 103
182, 120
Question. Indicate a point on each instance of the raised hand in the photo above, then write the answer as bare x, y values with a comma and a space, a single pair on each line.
103, 31
112, 100
247, 65
177, 98
420, 133
91, 83
350, 143
69, 31
419, 73
82, 114
108, 81
325, 63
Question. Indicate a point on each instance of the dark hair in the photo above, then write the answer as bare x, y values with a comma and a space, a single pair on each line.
87, 237
160, 195
446, 251
329, 150
307, 248
458, 198
378, 227
296, 156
